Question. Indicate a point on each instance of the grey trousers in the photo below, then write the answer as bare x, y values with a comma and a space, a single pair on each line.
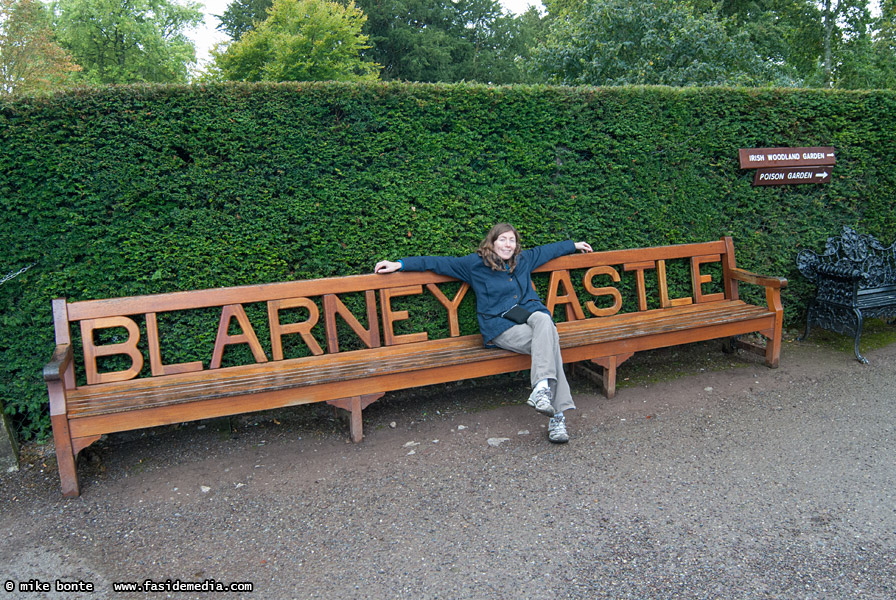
538, 337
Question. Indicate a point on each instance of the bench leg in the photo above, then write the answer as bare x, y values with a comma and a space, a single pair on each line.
773, 351
66, 458
859, 320
355, 405
607, 378
772, 346
609, 365
357, 424
810, 316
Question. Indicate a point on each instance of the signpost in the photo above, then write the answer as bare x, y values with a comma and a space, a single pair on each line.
789, 166
792, 175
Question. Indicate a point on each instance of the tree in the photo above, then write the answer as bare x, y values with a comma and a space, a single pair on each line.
428, 40
30, 58
786, 33
411, 39
301, 40
128, 41
883, 52
825, 43
494, 45
615, 42
241, 16
564, 8
448, 40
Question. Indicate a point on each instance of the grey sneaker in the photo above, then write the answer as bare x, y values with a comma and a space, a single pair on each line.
541, 400
557, 430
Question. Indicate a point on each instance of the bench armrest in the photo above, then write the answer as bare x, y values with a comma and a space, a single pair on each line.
748, 277
842, 271
59, 362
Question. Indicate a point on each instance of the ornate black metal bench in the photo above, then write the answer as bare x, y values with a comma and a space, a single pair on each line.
855, 279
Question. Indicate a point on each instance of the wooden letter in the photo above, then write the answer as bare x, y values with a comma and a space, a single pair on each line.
450, 305
698, 280
639, 268
225, 339
604, 291
390, 316
128, 348
303, 328
333, 306
728, 265
573, 306
665, 302
155, 355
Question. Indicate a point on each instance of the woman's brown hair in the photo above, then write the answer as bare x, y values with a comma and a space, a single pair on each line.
487, 248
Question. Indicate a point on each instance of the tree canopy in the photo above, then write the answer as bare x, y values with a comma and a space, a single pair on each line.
301, 40
823, 43
848, 44
815, 43
447, 40
241, 16
616, 42
428, 40
30, 58
128, 41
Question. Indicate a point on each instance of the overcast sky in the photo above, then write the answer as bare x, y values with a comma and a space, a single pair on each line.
207, 36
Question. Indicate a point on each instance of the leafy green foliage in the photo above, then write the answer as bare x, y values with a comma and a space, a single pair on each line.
448, 40
301, 40
412, 39
128, 41
241, 16
829, 43
609, 42
866, 58
31, 61
143, 189
616, 42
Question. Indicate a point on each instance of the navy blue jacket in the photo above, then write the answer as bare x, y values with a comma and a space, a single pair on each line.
496, 291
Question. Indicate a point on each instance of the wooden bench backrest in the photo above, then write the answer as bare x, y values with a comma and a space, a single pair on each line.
95, 315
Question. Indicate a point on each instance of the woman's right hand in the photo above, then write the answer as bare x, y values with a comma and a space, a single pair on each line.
386, 266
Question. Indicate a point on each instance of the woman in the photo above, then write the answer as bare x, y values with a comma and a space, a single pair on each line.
511, 315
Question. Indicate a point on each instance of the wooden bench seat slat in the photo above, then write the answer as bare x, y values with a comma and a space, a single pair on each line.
96, 402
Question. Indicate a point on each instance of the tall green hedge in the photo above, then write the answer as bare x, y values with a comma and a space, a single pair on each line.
133, 190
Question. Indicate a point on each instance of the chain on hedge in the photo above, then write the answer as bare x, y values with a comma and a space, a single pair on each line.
15, 274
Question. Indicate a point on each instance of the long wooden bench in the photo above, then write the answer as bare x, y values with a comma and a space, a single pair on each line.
88, 400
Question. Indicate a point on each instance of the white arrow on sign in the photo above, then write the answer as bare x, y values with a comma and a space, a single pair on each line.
822, 175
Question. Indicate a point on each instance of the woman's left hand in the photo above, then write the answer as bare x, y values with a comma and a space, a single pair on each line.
583, 247
387, 266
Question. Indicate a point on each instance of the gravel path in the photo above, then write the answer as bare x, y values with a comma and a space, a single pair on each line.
744, 483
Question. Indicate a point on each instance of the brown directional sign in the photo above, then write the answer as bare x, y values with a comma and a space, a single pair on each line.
792, 175
760, 158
